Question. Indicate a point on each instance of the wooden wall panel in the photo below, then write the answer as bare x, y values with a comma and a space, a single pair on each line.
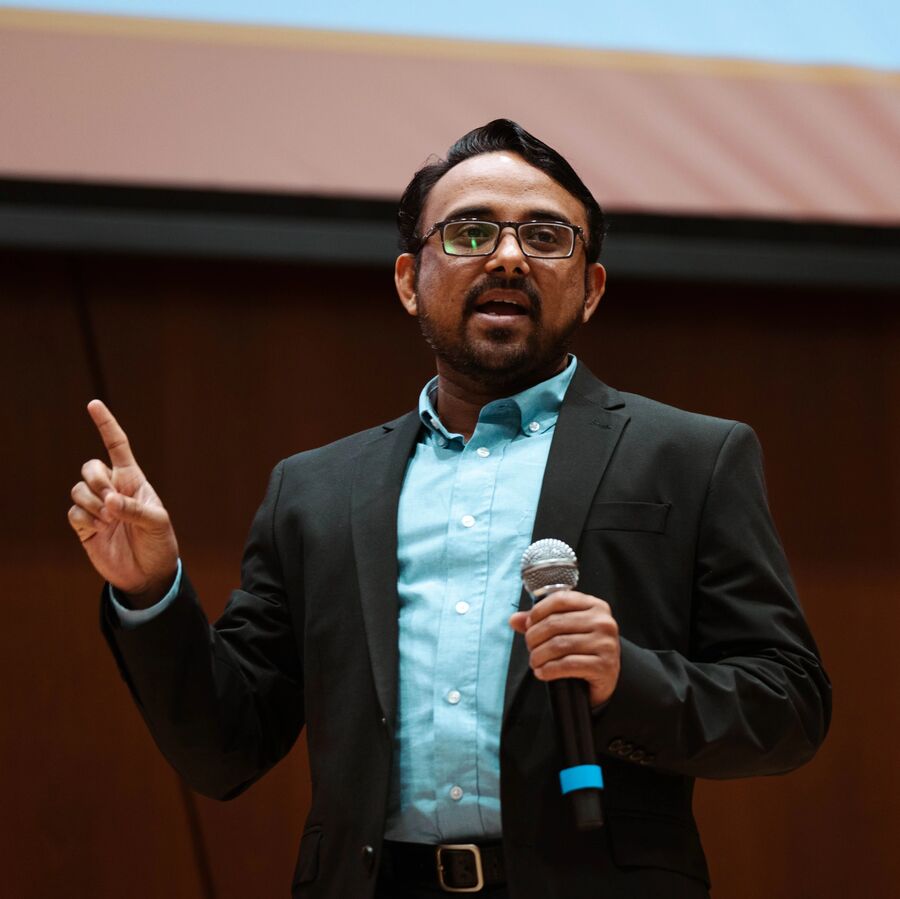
89, 807
218, 369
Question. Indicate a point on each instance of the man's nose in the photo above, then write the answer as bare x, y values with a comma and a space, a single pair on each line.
508, 257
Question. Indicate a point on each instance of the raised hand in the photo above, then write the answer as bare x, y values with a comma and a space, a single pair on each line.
123, 527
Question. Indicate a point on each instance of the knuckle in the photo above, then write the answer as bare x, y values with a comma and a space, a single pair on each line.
552, 622
120, 441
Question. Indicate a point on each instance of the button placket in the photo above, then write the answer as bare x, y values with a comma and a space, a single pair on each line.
460, 629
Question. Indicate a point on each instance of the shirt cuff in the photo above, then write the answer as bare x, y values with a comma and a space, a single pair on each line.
132, 618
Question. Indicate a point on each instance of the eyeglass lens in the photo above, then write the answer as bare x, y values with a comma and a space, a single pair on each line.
545, 239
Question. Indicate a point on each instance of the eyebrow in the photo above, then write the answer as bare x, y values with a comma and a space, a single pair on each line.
532, 215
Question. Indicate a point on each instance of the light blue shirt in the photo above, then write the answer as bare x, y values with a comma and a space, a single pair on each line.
465, 518
466, 515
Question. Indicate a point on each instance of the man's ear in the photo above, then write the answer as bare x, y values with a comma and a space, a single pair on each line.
405, 280
595, 285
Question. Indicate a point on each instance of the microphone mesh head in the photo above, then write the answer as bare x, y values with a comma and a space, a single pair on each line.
549, 562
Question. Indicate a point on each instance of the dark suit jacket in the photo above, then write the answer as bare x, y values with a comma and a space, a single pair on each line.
720, 676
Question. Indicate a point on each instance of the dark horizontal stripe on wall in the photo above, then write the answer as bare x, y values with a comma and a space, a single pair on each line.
83, 217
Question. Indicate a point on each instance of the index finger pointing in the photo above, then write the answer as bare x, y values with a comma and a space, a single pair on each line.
114, 438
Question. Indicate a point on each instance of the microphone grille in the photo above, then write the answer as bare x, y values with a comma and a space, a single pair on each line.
549, 562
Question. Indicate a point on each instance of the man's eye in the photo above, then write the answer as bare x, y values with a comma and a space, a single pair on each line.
475, 232
468, 237
544, 236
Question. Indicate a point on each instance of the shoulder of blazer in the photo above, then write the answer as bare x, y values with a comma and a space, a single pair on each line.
645, 412
345, 450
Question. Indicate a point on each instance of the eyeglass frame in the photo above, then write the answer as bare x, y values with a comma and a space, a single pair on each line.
577, 231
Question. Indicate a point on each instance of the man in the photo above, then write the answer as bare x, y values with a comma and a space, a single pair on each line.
380, 580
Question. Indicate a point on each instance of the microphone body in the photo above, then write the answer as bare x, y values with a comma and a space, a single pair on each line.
548, 566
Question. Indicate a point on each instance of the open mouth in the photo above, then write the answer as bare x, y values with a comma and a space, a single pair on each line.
500, 307
504, 303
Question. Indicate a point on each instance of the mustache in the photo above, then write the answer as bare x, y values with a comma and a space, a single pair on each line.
496, 282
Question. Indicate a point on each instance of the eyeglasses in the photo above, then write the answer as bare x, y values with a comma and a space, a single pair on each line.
470, 237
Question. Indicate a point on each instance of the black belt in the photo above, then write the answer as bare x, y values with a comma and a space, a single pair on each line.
451, 867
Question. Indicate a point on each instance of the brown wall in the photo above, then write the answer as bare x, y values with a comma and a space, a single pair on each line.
218, 369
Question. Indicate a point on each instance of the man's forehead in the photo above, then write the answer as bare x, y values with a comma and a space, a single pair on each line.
501, 183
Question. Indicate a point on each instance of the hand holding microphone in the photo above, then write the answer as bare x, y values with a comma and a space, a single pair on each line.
574, 645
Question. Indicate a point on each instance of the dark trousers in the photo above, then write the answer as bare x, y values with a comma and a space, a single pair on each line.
640, 883
388, 889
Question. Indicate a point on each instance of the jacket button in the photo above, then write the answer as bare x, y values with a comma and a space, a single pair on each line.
637, 755
616, 745
626, 749
368, 858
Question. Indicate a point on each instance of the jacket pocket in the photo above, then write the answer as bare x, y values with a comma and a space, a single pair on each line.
308, 857
650, 517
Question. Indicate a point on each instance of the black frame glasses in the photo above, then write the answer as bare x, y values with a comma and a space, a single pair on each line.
489, 248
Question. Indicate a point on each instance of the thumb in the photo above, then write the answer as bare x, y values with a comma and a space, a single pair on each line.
519, 622
141, 515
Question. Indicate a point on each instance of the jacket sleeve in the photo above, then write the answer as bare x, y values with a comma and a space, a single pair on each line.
224, 703
750, 696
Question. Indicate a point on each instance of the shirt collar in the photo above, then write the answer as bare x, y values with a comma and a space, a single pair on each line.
537, 408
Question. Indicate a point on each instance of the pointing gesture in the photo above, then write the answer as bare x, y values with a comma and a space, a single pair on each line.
122, 525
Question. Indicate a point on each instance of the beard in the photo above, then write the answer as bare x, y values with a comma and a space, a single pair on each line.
499, 358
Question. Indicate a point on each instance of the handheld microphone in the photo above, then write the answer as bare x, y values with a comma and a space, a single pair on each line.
547, 566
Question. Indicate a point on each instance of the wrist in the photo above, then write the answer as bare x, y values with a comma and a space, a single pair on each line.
151, 594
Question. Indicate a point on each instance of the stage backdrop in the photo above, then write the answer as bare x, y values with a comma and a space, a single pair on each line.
777, 110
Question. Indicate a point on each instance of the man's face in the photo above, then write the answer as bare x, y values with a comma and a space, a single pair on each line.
507, 318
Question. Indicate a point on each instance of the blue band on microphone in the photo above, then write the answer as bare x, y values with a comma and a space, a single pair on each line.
581, 777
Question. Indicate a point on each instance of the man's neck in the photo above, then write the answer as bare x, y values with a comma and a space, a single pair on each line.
459, 398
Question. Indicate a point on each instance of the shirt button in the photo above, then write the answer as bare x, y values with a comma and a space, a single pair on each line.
453, 697
467, 521
533, 427
462, 607
456, 793
483, 451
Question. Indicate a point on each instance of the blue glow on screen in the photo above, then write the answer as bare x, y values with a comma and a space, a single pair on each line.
863, 33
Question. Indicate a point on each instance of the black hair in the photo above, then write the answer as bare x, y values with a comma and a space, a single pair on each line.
498, 135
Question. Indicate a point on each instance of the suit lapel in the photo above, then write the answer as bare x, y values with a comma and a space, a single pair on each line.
375, 498
588, 429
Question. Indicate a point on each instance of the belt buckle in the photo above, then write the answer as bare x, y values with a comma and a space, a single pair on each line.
479, 871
